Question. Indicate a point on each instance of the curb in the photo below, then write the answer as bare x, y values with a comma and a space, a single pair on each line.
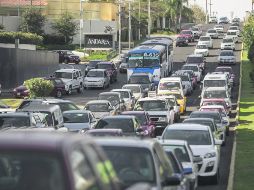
230, 185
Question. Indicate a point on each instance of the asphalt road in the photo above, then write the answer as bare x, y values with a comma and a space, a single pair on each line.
180, 54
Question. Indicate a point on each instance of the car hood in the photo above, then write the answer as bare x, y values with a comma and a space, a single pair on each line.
201, 150
65, 81
99, 115
96, 79
76, 126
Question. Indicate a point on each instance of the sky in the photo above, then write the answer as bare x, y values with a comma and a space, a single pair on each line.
227, 7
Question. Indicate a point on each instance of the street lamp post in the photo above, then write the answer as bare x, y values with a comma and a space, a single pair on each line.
119, 27
139, 17
149, 18
81, 24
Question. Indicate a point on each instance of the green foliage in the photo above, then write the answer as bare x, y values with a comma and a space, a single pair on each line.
248, 34
1, 27
53, 39
33, 21
24, 38
65, 27
100, 55
39, 87
58, 46
198, 14
251, 53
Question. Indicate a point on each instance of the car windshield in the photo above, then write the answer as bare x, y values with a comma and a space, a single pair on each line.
141, 118
194, 60
233, 28
75, 117
204, 39
186, 32
193, 137
201, 47
188, 67
152, 105
228, 40
124, 94
215, 94
208, 103
133, 165
211, 31
116, 123
179, 151
139, 80
97, 107
202, 122
63, 75
134, 89
211, 115
231, 33
23, 169
214, 83
104, 66
226, 53
224, 69
112, 98
14, 121
95, 74
134, 62
169, 85
66, 106
93, 63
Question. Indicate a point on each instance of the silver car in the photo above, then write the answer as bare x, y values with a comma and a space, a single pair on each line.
129, 99
97, 78
227, 57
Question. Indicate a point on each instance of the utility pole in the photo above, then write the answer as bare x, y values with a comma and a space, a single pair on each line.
206, 12
149, 18
210, 7
129, 24
119, 27
139, 22
81, 23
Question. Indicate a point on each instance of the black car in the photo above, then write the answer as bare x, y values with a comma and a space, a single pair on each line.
92, 64
68, 57
129, 125
110, 68
181, 41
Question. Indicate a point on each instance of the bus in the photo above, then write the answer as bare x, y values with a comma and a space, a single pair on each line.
168, 43
148, 59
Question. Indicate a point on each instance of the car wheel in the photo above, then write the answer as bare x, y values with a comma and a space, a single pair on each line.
59, 94
69, 90
66, 61
79, 90
215, 179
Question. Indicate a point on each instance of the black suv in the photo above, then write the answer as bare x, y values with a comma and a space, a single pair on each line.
67, 57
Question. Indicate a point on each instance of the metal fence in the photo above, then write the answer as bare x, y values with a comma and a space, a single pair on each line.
17, 65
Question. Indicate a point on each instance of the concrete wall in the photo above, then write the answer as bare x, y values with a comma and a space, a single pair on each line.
21, 46
10, 23
17, 65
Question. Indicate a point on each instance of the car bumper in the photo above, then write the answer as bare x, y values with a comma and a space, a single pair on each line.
225, 61
93, 84
228, 47
209, 167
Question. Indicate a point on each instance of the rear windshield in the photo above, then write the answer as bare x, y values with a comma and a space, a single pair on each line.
227, 53
228, 40
125, 124
195, 59
216, 117
6, 121
204, 38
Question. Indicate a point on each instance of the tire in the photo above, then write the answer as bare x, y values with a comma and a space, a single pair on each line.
69, 91
215, 179
79, 90
66, 61
59, 94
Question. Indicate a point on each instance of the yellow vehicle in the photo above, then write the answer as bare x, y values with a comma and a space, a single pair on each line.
181, 100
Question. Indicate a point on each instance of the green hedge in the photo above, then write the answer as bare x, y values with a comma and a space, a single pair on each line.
53, 39
24, 38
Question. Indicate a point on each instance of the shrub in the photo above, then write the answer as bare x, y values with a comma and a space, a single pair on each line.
1, 27
53, 39
24, 38
38, 87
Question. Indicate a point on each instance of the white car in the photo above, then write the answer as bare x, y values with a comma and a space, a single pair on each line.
72, 78
202, 49
213, 19
171, 83
129, 99
202, 143
184, 154
159, 110
212, 33
97, 78
232, 35
227, 43
219, 28
234, 29
196, 31
216, 92
206, 40
100, 108
186, 81
195, 68
227, 57
136, 89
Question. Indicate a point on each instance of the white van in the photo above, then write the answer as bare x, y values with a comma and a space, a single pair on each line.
166, 85
217, 80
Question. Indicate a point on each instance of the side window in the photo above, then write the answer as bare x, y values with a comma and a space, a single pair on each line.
84, 177
91, 118
75, 75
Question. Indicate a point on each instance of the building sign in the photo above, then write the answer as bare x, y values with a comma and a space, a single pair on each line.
98, 41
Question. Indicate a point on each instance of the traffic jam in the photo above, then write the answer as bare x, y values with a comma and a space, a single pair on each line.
139, 136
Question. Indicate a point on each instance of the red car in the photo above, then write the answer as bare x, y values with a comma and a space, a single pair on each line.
146, 124
59, 89
188, 34
216, 101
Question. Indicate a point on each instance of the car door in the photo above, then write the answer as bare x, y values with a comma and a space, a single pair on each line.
75, 79
114, 71
106, 77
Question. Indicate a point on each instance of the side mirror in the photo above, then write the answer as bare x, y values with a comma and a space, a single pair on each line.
187, 171
172, 180
197, 159
217, 142
171, 108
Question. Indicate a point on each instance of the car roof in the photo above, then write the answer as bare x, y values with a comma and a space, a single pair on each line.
205, 112
195, 55
98, 102
150, 99
215, 89
105, 62
121, 90
40, 107
38, 140
191, 65
173, 142
54, 100
212, 106
187, 126
127, 142
138, 85
175, 78
215, 76
140, 74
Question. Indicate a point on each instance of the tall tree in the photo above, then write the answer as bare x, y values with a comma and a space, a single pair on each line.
33, 21
198, 14
66, 27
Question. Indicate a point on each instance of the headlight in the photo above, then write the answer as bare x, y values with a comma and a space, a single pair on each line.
210, 155
162, 119
101, 80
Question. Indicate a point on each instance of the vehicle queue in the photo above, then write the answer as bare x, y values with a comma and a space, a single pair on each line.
165, 152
